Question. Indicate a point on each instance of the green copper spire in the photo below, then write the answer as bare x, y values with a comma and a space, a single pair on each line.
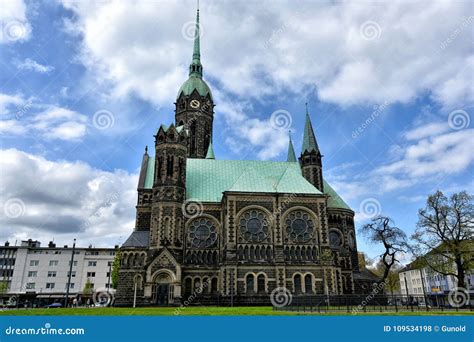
309, 140
291, 151
210, 152
195, 69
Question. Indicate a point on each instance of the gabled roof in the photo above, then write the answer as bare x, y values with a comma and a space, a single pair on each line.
210, 152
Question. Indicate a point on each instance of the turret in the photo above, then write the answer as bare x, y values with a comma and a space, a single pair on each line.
310, 159
169, 186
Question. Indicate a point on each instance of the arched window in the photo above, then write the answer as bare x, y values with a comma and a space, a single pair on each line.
188, 286
308, 283
214, 285
249, 283
297, 283
169, 165
335, 238
261, 283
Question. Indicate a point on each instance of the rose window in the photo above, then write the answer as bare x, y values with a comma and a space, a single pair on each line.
254, 226
202, 233
299, 226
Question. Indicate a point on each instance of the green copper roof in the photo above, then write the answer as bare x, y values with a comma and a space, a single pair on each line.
291, 157
334, 200
194, 82
207, 179
210, 152
309, 140
178, 128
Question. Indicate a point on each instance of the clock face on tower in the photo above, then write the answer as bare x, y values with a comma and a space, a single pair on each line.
194, 104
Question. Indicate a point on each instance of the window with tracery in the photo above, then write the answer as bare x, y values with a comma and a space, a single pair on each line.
299, 226
202, 233
254, 225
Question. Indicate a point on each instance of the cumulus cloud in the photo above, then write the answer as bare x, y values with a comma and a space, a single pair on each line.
32, 65
409, 52
44, 199
45, 120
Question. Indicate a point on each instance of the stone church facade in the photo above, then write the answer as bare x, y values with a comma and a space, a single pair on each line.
232, 230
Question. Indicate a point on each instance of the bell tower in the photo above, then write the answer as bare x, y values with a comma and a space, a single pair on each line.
195, 105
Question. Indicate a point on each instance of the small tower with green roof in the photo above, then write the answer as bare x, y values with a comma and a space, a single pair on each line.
310, 158
195, 105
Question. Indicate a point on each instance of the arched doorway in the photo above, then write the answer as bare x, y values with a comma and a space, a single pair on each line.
162, 289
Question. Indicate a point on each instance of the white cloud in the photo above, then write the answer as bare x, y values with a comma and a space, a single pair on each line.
282, 48
7, 102
63, 200
13, 21
47, 121
32, 65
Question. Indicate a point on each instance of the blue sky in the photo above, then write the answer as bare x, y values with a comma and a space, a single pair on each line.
85, 85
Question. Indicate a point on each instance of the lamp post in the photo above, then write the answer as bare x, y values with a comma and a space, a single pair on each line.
108, 281
66, 299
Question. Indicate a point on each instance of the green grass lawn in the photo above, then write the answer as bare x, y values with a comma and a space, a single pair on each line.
206, 311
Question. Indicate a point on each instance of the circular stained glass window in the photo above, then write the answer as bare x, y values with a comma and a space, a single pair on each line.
299, 226
254, 226
335, 238
202, 233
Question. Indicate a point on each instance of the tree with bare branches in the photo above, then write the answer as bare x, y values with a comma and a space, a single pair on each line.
444, 238
382, 230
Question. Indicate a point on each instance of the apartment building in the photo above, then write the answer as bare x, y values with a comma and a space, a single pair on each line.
34, 274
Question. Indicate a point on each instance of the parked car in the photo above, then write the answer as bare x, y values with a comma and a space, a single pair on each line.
54, 305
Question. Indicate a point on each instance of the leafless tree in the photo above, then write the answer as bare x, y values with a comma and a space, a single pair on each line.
394, 240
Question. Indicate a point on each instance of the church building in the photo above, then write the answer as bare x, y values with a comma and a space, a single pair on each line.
232, 230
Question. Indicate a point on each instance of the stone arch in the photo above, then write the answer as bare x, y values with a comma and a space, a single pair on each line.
297, 282
250, 282
138, 279
262, 283
308, 283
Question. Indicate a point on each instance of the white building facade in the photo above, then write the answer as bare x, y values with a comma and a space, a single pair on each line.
30, 272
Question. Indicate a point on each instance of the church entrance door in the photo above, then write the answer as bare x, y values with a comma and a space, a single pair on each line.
162, 294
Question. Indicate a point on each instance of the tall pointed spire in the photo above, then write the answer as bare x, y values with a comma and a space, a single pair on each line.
196, 67
309, 139
291, 157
